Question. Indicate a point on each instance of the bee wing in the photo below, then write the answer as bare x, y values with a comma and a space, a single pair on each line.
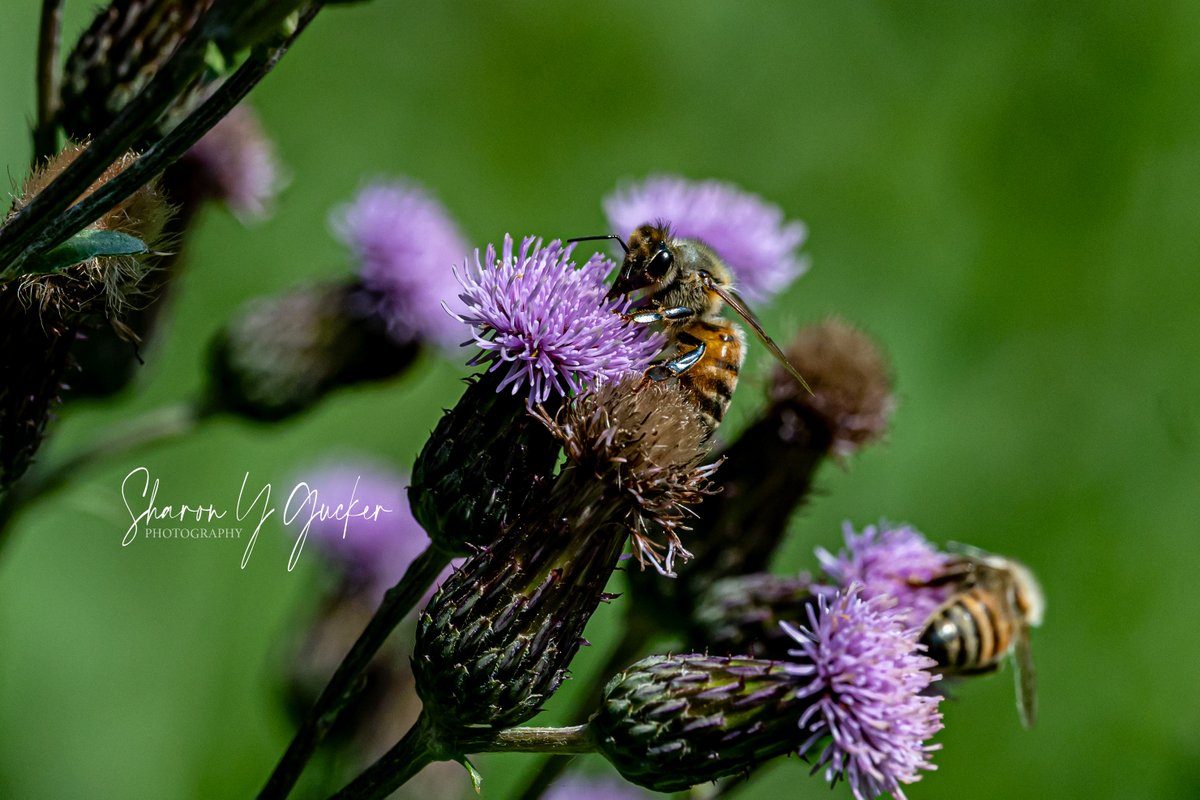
733, 301
1024, 675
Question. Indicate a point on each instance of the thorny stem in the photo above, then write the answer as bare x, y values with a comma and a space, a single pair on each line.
141, 112
423, 744
637, 632
155, 426
398, 601
45, 139
42, 225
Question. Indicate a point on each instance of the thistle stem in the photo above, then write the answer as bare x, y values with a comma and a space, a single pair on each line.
397, 766
156, 426
573, 740
45, 140
423, 744
41, 224
398, 601
636, 635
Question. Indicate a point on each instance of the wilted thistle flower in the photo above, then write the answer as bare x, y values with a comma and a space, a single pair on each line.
750, 235
670, 722
546, 324
851, 401
494, 643
281, 355
769, 469
889, 562
42, 312
405, 245
866, 687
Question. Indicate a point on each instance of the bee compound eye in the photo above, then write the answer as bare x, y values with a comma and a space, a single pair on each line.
660, 262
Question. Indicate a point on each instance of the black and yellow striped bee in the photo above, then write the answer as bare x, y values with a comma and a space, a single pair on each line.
995, 602
688, 286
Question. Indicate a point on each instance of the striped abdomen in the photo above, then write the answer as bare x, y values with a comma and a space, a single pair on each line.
970, 632
709, 383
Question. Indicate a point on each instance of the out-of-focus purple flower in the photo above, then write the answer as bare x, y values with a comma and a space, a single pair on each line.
235, 162
749, 234
406, 246
548, 323
896, 562
581, 787
359, 519
866, 684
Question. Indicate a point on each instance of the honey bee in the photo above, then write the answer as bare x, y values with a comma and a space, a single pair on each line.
995, 603
688, 286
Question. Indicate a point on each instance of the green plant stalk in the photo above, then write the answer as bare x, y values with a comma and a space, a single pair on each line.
41, 225
636, 635
45, 138
424, 744
396, 605
156, 426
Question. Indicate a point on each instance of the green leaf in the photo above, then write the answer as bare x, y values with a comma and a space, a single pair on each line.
84, 246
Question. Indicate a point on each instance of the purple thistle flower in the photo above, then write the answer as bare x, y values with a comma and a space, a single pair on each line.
866, 684
749, 234
547, 322
235, 162
359, 520
406, 246
889, 562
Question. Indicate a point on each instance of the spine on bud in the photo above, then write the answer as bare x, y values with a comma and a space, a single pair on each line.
485, 462
671, 722
495, 641
741, 615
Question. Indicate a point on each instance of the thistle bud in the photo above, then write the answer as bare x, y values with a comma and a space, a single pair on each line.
281, 355
484, 464
118, 54
854, 681
768, 471
98, 275
741, 615
494, 643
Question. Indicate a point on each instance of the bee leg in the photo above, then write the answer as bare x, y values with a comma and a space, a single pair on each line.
661, 315
676, 366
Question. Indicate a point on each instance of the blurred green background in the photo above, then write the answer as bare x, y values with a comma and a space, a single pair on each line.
1005, 194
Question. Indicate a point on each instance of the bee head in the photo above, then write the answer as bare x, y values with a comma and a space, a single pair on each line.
649, 260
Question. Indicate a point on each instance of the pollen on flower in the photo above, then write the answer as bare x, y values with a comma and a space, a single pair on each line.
749, 234
545, 323
406, 245
867, 685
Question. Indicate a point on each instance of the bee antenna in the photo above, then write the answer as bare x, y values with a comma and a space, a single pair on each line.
618, 239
